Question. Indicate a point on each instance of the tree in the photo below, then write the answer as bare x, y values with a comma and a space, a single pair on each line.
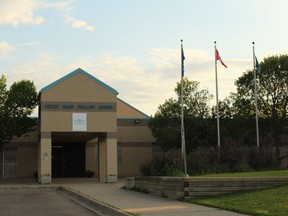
165, 125
232, 126
272, 86
195, 101
226, 109
16, 105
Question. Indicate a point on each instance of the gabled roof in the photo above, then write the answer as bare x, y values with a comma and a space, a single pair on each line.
145, 116
79, 70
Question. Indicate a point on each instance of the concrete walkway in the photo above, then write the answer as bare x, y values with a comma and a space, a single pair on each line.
136, 202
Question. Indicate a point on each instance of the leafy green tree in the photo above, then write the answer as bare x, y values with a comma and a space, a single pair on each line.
196, 102
166, 123
16, 105
232, 126
272, 86
226, 109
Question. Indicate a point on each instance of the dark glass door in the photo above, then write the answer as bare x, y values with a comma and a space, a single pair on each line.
68, 160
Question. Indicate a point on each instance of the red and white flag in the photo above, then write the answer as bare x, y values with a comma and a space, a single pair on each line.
217, 57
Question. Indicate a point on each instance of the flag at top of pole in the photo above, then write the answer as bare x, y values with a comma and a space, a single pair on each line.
217, 57
257, 66
182, 59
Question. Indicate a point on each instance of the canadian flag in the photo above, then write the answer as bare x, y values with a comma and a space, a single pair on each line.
217, 57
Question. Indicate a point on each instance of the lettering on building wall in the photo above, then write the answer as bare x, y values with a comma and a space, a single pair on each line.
51, 106
106, 107
68, 106
86, 106
89, 107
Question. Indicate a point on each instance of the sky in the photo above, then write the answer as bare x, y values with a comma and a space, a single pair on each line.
134, 46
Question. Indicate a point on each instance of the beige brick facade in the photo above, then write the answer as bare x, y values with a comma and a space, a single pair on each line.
82, 126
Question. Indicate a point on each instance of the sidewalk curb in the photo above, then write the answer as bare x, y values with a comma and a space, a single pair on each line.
92, 204
29, 187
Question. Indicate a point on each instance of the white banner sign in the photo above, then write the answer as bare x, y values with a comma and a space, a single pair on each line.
79, 122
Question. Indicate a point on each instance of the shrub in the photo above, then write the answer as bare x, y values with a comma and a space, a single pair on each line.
262, 159
202, 161
145, 169
232, 154
164, 164
231, 157
89, 173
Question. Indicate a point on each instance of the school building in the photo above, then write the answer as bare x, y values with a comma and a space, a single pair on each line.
83, 128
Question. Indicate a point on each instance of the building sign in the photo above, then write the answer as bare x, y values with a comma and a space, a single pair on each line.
79, 122
79, 106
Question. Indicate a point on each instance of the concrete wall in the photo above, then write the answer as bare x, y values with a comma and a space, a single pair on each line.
179, 188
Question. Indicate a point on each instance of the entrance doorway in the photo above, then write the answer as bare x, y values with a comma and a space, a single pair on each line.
68, 160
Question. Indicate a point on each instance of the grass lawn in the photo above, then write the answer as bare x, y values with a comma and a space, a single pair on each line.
269, 202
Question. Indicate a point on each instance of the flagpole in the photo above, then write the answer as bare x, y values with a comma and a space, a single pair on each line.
217, 101
255, 96
3, 162
182, 114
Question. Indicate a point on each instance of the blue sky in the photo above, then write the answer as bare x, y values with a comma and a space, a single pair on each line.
134, 46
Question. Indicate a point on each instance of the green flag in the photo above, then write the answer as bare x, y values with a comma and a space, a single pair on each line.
257, 65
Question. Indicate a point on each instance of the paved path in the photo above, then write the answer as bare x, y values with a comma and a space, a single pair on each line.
145, 204
36, 202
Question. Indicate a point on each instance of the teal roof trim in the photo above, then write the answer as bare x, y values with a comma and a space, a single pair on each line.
79, 70
123, 118
134, 109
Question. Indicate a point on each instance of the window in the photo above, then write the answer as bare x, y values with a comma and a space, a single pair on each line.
10, 162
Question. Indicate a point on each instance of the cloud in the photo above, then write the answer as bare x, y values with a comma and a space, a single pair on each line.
75, 23
144, 87
17, 12
5, 49
32, 43
199, 66
22, 12
63, 5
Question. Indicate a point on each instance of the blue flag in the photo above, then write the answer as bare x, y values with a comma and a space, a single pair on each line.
182, 61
